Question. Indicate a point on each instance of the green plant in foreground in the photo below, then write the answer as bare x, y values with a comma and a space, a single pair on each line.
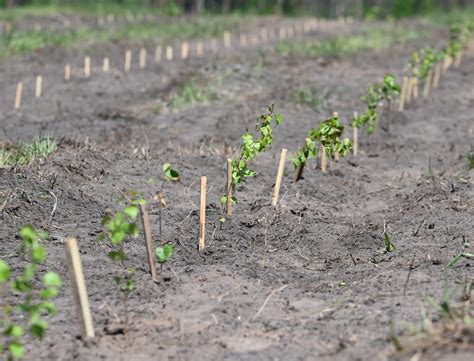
252, 146
120, 227
327, 135
32, 303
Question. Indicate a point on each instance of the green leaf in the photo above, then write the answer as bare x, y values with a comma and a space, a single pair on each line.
170, 173
48, 293
163, 254
117, 237
13, 330
52, 279
133, 230
28, 234
16, 349
38, 253
389, 246
48, 307
4, 271
38, 328
131, 212
117, 255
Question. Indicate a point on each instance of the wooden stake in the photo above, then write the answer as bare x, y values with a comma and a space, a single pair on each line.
19, 91
142, 58
106, 65
336, 154
38, 86
199, 49
409, 91
128, 61
415, 87
457, 59
403, 94
227, 43
87, 66
437, 75
323, 160
149, 241
289, 32
281, 170
355, 138
202, 215
243, 40
264, 35
426, 89
229, 187
184, 50
214, 46
79, 288
67, 72
158, 55
169, 53
282, 34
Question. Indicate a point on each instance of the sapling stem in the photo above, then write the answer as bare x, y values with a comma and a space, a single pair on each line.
229, 188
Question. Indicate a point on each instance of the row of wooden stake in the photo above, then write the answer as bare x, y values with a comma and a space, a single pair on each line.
168, 52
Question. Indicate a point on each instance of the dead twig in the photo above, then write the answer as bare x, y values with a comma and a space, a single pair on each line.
266, 301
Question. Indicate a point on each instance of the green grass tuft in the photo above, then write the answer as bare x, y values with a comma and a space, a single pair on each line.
25, 153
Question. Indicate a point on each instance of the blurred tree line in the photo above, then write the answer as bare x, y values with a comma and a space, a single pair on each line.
328, 8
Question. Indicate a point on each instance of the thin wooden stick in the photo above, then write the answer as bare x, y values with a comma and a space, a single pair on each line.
437, 75
323, 160
202, 215
158, 55
169, 53
199, 49
79, 288
403, 94
427, 88
227, 43
67, 72
415, 87
446, 63
87, 66
149, 241
355, 138
457, 59
243, 40
106, 65
409, 91
19, 91
336, 153
281, 170
264, 35
128, 61
38, 86
142, 58
282, 34
229, 187
184, 50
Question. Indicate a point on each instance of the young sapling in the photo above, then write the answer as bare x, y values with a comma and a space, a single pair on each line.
327, 135
252, 145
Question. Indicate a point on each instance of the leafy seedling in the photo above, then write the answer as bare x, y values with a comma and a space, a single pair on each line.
163, 254
120, 227
327, 135
252, 145
387, 242
31, 304
169, 175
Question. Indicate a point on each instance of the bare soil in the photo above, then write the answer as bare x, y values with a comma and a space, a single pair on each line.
304, 281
